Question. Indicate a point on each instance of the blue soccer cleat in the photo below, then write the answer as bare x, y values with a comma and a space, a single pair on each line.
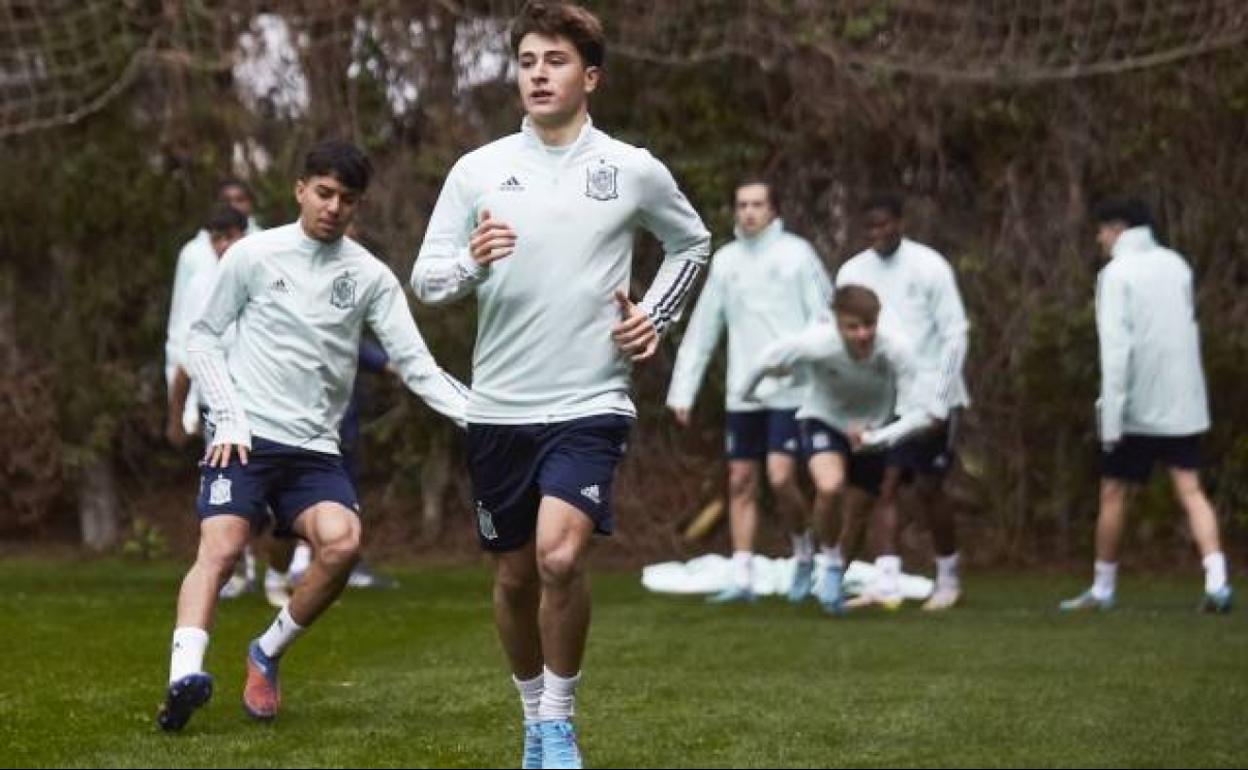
181, 699
831, 597
803, 578
532, 745
731, 595
559, 749
1217, 602
1087, 601
261, 693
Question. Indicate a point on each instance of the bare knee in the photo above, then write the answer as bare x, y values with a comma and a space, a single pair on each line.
516, 586
827, 488
219, 555
559, 565
742, 481
338, 546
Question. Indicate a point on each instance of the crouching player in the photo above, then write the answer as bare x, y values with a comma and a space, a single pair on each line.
858, 378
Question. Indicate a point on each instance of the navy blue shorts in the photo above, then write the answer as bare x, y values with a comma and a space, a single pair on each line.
279, 478
1134, 456
754, 435
864, 470
514, 466
930, 453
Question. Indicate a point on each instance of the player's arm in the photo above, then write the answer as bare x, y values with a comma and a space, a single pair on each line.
391, 320
917, 408
665, 211
706, 324
206, 357
953, 329
179, 389
815, 343
1114, 337
460, 244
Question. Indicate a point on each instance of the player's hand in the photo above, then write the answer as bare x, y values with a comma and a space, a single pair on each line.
175, 433
854, 434
491, 240
219, 454
681, 416
635, 333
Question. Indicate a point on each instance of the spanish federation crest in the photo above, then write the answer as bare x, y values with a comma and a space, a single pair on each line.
485, 522
219, 491
343, 293
600, 182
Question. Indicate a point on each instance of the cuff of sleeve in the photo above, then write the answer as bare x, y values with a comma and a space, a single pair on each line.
236, 433
468, 265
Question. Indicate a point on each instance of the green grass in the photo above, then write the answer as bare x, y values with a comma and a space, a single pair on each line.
414, 677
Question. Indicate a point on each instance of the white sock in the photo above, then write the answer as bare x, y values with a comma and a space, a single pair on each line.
249, 565
888, 583
1105, 579
743, 569
530, 695
803, 545
833, 555
301, 559
189, 646
274, 579
280, 635
947, 571
558, 696
1215, 571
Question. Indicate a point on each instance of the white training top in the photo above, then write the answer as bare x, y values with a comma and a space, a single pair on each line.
1152, 381
844, 392
195, 256
300, 306
544, 351
919, 297
761, 288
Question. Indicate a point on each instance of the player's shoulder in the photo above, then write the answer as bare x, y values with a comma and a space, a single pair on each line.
489, 154
627, 156
855, 265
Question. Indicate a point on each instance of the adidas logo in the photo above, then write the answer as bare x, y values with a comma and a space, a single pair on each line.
591, 492
511, 185
279, 286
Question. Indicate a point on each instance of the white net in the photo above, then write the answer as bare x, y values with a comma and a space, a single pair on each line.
63, 59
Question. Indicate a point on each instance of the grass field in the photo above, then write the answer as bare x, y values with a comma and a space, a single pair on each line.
414, 677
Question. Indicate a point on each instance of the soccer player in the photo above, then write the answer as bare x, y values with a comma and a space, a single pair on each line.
1152, 407
858, 378
299, 296
766, 284
919, 297
539, 225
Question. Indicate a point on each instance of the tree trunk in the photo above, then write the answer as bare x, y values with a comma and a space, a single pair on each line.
97, 505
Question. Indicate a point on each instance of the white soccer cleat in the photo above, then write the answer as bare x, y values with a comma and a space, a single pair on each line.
943, 598
235, 587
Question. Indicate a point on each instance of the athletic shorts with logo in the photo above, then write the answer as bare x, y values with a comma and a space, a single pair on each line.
864, 470
278, 482
513, 467
754, 435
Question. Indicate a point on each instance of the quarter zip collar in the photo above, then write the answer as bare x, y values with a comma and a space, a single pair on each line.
314, 248
764, 238
1133, 240
561, 161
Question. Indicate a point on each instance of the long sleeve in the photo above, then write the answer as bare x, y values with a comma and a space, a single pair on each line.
816, 288
705, 326
816, 342
445, 270
206, 350
1114, 332
667, 214
952, 326
391, 320
180, 308
917, 405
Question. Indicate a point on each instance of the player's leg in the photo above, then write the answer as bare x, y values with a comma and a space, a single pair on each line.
1128, 464
221, 540
745, 448
937, 510
1203, 522
827, 473
885, 591
743, 525
783, 455
517, 599
280, 552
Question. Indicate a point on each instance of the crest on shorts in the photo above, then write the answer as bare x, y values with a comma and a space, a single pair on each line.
219, 491
601, 181
822, 440
485, 522
343, 293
